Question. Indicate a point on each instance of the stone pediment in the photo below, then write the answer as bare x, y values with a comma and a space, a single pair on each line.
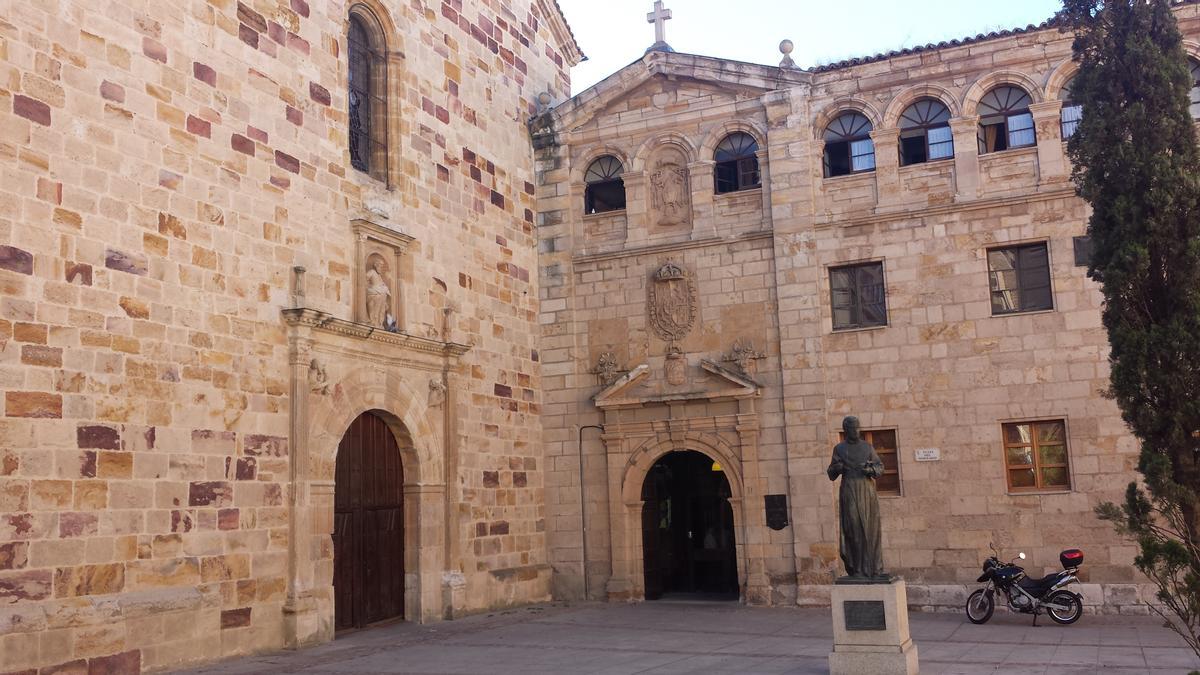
666, 81
640, 387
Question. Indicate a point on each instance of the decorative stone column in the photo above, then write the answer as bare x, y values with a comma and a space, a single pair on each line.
966, 157
1052, 161
887, 166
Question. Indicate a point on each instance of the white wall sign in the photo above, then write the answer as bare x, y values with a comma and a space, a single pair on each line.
928, 454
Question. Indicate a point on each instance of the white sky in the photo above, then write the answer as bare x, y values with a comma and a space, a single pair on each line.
614, 33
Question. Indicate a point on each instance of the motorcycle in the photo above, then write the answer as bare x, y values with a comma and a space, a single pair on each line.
1026, 595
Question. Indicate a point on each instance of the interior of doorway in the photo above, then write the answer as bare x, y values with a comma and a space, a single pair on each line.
688, 542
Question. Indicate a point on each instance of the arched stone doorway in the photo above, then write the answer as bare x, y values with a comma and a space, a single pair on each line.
368, 527
688, 533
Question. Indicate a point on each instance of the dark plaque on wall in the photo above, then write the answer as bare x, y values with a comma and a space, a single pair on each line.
865, 615
777, 511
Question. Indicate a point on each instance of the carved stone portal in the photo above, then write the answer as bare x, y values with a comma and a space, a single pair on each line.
672, 302
670, 194
379, 261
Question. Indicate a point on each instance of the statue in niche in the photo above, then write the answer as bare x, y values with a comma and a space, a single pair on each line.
379, 294
670, 194
437, 394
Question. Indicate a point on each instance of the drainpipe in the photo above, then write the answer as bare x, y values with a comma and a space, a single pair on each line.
583, 507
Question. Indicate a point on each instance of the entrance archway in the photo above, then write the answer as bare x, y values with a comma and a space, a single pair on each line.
368, 528
688, 541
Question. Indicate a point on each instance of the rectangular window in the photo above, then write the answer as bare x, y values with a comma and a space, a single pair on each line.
941, 143
1020, 279
858, 296
1071, 115
1020, 131
1035, 456
862, 155
884, 442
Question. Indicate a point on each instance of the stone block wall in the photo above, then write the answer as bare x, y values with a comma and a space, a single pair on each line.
165, 167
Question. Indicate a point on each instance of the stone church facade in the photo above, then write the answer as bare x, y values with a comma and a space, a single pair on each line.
892, 237
224, 255
314, 315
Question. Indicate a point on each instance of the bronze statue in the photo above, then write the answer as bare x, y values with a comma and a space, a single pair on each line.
858, 465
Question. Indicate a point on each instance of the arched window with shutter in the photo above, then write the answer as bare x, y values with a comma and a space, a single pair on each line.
737, 163
848, 145
605, 189
925, 132
1072, 112
1004, 120
367, 95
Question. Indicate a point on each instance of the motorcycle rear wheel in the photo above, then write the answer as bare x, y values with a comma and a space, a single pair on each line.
980, 606
1068, 599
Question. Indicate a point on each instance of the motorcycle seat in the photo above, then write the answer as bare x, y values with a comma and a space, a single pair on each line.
1036, 587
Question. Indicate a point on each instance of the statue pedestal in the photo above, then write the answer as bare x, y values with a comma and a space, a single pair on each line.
870, 630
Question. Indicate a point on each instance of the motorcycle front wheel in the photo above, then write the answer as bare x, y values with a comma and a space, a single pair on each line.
1066, 599
980, 606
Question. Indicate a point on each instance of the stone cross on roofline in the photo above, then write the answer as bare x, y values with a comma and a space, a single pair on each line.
659, 18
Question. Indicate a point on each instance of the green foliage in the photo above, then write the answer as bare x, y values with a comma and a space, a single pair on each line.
1137, 163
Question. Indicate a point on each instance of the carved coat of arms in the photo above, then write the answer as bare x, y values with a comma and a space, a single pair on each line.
672, 302
670, 194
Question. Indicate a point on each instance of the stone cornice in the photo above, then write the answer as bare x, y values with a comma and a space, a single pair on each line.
561, 30
653, 249
957, 207
325, 322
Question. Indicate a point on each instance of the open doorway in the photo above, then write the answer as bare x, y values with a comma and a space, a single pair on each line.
687, 529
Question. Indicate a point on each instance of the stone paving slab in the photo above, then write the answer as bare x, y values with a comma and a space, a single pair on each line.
687, 637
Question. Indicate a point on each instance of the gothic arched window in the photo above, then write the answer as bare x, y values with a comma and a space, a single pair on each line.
737, 163
848, 145
1004, 120
1072, 112
925, 132
367, 98
605, 189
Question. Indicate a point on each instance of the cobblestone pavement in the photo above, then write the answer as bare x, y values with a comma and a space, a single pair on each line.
682, 637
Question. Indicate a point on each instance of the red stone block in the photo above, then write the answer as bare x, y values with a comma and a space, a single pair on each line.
251, 18
87, 464
520, 479
80, 271
257, 134
491, 479
319, 94
204, 73
16, 260
125, 262
76, 667
242, 144
499, 527
31, 109
502, 390
260, 445
154, 49
247, 468
210, 493
248, 35
98, 437
287, 162
442, 115
295, 116
112, 91
235, 618
197, 126
125, 663
276, 32
228, 519
78, 524
32, 585
497, 199
297, 43
300, 7
14, 555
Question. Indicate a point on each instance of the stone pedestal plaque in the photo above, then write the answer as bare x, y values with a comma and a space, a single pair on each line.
870, 630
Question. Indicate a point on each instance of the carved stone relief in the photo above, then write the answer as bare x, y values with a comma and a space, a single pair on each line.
670, 194
672, 302
744, 356
318, 379
676, 367
437, 394
607, 369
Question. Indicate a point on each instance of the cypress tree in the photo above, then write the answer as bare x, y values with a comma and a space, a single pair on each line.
1137, 164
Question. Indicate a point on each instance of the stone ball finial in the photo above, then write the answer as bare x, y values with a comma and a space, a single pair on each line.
786, 48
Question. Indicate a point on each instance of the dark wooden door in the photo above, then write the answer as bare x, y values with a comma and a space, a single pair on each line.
368, 528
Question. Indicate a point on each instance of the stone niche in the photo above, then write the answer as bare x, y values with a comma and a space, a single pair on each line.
670, 193
380, 267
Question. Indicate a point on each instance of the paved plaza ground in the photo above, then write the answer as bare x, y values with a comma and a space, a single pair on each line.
707, 637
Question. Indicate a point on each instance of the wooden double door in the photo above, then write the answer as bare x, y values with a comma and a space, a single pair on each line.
368, 526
